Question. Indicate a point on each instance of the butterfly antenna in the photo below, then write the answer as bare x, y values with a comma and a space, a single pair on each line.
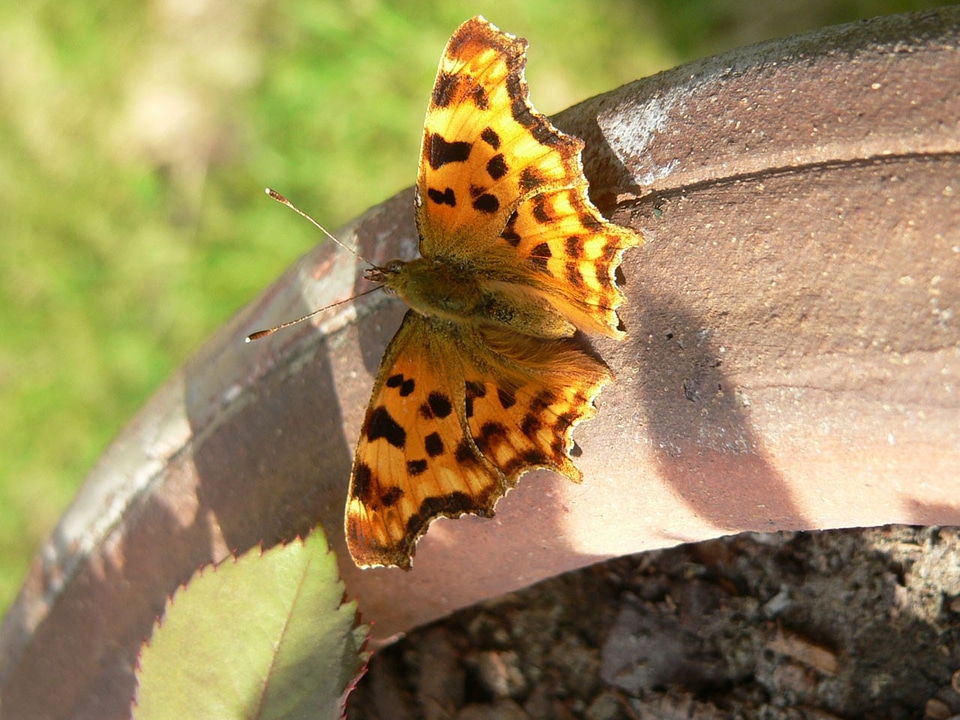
283, 201
259, 334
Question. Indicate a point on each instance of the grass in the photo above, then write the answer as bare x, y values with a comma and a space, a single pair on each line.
136, 138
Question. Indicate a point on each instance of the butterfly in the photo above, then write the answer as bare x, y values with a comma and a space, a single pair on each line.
486, 377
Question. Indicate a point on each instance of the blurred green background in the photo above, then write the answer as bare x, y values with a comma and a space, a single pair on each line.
136, 139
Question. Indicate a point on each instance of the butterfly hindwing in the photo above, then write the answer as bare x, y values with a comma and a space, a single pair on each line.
454, 421
414, 462
564, 248
524, 398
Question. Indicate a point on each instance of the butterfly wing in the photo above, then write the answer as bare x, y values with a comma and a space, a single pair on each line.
455, 420
558, 243
484, 147
524, 398
413, 461
501, 188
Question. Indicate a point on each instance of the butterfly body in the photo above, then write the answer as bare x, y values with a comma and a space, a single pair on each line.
432, 288
486, 377
458, 293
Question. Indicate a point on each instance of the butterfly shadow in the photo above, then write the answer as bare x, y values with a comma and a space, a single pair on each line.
697, 422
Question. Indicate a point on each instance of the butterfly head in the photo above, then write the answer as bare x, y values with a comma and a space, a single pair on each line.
387, 275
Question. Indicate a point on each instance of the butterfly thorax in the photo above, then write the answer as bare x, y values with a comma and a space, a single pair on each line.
431, 288
462, 295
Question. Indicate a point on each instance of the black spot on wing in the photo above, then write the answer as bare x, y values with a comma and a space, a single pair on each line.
380, 424
602, 271
440, 152
497, 166
491, 434
574, 276
540, 211
416, 467
486, 203
490, 137
565, 421
363, 483
446, 197
574, 246
445, 89
439, 404
475, 389
479, 97
466, 454
433, 444
391, 496
406, 385
530, 179
591, 222
530, 425
539, 256
559, 451
536, 457
542, 401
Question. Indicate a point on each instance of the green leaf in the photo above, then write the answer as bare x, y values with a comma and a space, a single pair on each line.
262, 636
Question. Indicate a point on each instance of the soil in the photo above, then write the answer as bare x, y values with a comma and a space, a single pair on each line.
788, 626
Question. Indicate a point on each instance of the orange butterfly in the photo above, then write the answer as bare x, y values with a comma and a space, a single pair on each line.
484, 379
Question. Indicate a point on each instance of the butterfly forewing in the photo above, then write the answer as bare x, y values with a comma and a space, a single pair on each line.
484, 147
